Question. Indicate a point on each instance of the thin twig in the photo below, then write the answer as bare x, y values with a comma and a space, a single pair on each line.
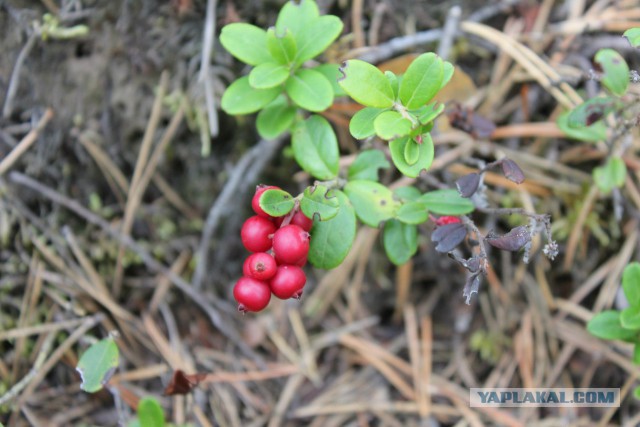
449, 31
205, 67
14, 82
26, 142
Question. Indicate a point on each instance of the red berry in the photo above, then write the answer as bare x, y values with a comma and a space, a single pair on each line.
288, 281
301, 262
255, 234
302, 221
251, 294
255, 202
260, 266
290, 244
444, 220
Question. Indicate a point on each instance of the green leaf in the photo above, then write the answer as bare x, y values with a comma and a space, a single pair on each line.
615, 75
97, 364
268, 75
313, 39
372, 201
319, 203
633, 35
241, 98
411, 152
332, 73
366, 84
315, 147
428, 113
636, 393
448, 73
150, 413
361, 125
424, 160
332, 239
407, 194
590, 111
422, 80
246, 42
606, 325
400, 241
310, 90
275, 118
446, 202
391, 125
636, 353
630, 318
412, 213
595, 132
611, 175
393, 81
276, 202
366, 165
295, 16
281, 47
631, 283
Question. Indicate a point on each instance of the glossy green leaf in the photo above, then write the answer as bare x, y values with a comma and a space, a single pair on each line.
422, 80
366, 165
636, 353
315, 147
400, 241
150, 413
411, 152
424, 160
98, 364
391, 125
590, 111
319, 203
407, 193
295, 16
611, 175
446, 202
630, 318
281, 46
246, 42
241, 98
449, 69
595, 132
276, 202
314, 38
633, 35
428, 113
332, 73
412, 213
631, 283
607, 325
310, 90
372, 201
268, 75
361, 124
276, 118
366, 84
393, 81
332, 239
615, 71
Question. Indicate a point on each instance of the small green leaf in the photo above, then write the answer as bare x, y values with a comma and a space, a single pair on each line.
241, 98
422, 80
412, 213
315, 147
424, 160
636, 393
636, 353
590, 111
372, 201
246, 42
314, 38
615, 71
631, 283
332, 73
275, 118
400, 241
407, 194
606, 325
411, 152
332, 239
446, 202
361, 125
633, 35
366, 165
295, 16
391, 125
428, 113
393, 81
268, 75
611, 175
276, 202
595, 132
630, 318
281, 47
310, 90
366, 84
319, 203
150, 413
97, 364
449, 69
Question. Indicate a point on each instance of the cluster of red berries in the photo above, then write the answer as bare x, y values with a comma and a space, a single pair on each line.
280, 246
447, 219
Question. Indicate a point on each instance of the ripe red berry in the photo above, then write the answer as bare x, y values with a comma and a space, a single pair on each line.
251, 294
260, 266
444, 220
290, 244
288, 281
302, 221
255, 234
255, 202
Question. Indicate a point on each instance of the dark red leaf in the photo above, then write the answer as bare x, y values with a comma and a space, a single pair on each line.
182, 383
512, 171
512, 241
448, 236
468, 184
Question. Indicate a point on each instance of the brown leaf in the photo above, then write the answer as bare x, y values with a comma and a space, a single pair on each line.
182, 383
448, 236
512, 241
512, 171
468, 184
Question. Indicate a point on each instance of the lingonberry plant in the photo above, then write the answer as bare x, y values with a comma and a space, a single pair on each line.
286, 89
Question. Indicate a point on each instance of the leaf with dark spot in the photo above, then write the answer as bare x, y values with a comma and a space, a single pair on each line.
448, 236
468, 184
512, 171
512, 241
